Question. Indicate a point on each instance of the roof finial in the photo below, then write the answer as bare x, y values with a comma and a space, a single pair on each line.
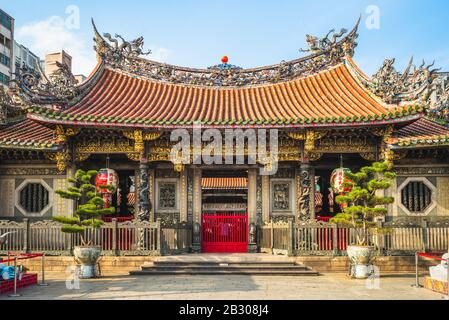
225, 59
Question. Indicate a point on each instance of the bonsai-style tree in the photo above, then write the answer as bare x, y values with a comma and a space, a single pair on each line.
363, 204
90, 205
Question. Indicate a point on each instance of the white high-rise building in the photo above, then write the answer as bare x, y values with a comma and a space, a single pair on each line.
6, 47
24, 58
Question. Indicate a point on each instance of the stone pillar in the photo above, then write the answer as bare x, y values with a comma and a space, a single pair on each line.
252, 195
197, 210
252, 209
144, 201
306, 192
183, 196
266, 198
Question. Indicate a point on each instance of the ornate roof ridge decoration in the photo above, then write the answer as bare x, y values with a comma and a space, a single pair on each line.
440, 110
9, 110
30, 88
125, 55
414, 84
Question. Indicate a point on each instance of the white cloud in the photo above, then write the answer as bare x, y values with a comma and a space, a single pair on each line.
52, 35
159, 54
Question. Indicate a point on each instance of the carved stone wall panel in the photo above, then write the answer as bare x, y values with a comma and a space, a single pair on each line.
443, 196
61, 207
392, 192
7, 187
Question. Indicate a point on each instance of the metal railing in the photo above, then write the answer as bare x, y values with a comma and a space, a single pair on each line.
126, 238
321, 239
151, 238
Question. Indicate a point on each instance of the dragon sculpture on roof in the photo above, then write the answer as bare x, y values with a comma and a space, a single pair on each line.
440, 109
119, 50
317, 45
413, 84
28, 88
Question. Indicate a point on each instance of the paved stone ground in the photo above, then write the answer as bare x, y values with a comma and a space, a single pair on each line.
234, 287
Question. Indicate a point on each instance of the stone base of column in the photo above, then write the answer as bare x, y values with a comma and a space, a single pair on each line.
196, 247
252, 248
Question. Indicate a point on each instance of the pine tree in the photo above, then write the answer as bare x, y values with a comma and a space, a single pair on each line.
90, 206
363, 204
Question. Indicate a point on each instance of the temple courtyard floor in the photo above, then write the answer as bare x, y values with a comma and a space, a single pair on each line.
230, 287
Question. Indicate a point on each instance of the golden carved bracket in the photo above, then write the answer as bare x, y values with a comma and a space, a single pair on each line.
134, 156
80, 157
61, 158
389, 155
309, 137
63, 133
385, 132
138, 136
369, 156
314, 156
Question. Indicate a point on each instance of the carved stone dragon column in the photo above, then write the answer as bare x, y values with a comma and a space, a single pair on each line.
305, 193
144, 199
197, 208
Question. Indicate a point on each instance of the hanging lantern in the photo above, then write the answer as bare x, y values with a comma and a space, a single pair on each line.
106, 177
337, 179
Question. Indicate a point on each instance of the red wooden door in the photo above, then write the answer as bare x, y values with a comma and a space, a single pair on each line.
225, 233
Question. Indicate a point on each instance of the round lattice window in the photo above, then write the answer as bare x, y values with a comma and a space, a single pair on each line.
34, 197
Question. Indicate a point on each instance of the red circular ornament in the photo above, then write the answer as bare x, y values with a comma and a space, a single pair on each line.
225, 59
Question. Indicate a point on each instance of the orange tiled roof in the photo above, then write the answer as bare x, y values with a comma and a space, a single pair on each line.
329, 98
224, 183
27, 134
423, 132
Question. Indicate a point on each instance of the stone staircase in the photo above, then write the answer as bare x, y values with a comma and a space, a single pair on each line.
223, 264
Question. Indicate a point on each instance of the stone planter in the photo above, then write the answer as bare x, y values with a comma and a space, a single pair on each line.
87, 258
360, 258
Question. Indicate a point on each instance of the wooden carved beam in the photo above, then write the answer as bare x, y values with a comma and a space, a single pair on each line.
309, 137
139, 137
63, 133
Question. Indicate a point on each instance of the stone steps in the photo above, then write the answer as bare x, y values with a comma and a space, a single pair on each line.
225, 272
226, 265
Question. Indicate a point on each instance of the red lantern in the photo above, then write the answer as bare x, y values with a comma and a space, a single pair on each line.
338, 178
106, 177
225, 59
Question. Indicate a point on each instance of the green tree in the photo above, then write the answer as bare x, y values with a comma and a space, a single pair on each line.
363, 204
89, 204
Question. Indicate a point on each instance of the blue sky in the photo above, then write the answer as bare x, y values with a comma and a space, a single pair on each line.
252, 32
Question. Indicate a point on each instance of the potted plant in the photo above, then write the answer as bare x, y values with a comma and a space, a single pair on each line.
90, 206
362, 205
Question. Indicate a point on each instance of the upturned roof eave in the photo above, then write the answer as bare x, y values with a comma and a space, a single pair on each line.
343, 125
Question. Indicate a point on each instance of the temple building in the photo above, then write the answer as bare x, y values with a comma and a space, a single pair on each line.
327, 114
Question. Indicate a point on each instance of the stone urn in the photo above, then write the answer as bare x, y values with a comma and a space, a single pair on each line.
360, 258
87, 258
